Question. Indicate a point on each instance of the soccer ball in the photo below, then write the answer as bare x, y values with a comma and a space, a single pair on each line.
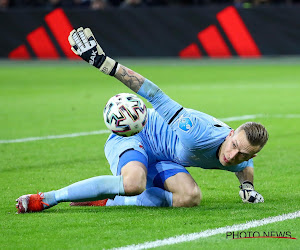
125, 114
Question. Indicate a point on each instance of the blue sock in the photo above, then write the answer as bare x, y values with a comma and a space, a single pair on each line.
152, 197
96, 188
49, 198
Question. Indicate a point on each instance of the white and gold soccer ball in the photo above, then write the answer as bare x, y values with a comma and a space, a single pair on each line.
125, 114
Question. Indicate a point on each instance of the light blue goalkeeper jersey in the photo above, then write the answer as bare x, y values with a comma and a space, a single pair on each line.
185, 136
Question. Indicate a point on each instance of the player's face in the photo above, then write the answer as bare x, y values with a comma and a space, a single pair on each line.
236, 149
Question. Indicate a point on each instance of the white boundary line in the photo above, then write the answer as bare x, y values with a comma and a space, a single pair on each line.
98, 132
247, 117
49, 137
210, 232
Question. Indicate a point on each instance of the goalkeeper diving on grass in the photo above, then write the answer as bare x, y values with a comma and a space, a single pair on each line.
151, 167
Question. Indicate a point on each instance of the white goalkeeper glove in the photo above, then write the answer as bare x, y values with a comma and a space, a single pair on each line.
84, 44
248, 194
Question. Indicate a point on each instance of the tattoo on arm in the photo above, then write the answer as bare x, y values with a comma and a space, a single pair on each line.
130, 78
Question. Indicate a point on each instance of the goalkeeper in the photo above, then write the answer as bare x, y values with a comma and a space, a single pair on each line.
149, 169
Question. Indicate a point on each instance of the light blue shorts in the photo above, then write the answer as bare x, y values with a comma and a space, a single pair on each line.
158, 171
116, 145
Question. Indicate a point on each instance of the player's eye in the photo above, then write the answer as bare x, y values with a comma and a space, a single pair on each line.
233, 145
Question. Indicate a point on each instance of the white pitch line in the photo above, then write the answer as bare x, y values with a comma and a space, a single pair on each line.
49, 137
247, 117
210, 232
97, 132
241, 118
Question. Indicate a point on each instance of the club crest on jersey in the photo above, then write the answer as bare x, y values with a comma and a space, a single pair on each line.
185, 124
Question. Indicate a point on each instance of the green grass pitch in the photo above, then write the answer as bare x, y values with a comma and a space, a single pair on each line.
42, 98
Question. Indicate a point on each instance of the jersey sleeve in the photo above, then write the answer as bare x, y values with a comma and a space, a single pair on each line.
163, 104
189, 128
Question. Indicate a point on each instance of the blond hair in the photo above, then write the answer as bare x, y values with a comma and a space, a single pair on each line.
256, 134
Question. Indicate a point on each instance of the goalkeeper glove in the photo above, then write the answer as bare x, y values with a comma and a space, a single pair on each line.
84, 44
248, 194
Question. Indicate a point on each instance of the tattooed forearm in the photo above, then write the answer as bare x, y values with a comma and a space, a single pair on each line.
130, 78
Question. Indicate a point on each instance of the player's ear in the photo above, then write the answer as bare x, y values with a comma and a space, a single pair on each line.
230, 134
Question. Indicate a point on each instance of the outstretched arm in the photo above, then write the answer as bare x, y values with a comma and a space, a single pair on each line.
84, 44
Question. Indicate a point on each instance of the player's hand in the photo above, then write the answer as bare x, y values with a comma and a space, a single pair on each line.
84, 44
248, 194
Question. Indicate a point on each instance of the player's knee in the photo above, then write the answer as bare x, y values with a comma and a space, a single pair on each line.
190, 198
134, 178
193, 197
134, 184
134, 188
196, 196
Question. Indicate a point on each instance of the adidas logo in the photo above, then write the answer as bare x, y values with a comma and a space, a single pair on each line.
215, 46
212, 41
41, 43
